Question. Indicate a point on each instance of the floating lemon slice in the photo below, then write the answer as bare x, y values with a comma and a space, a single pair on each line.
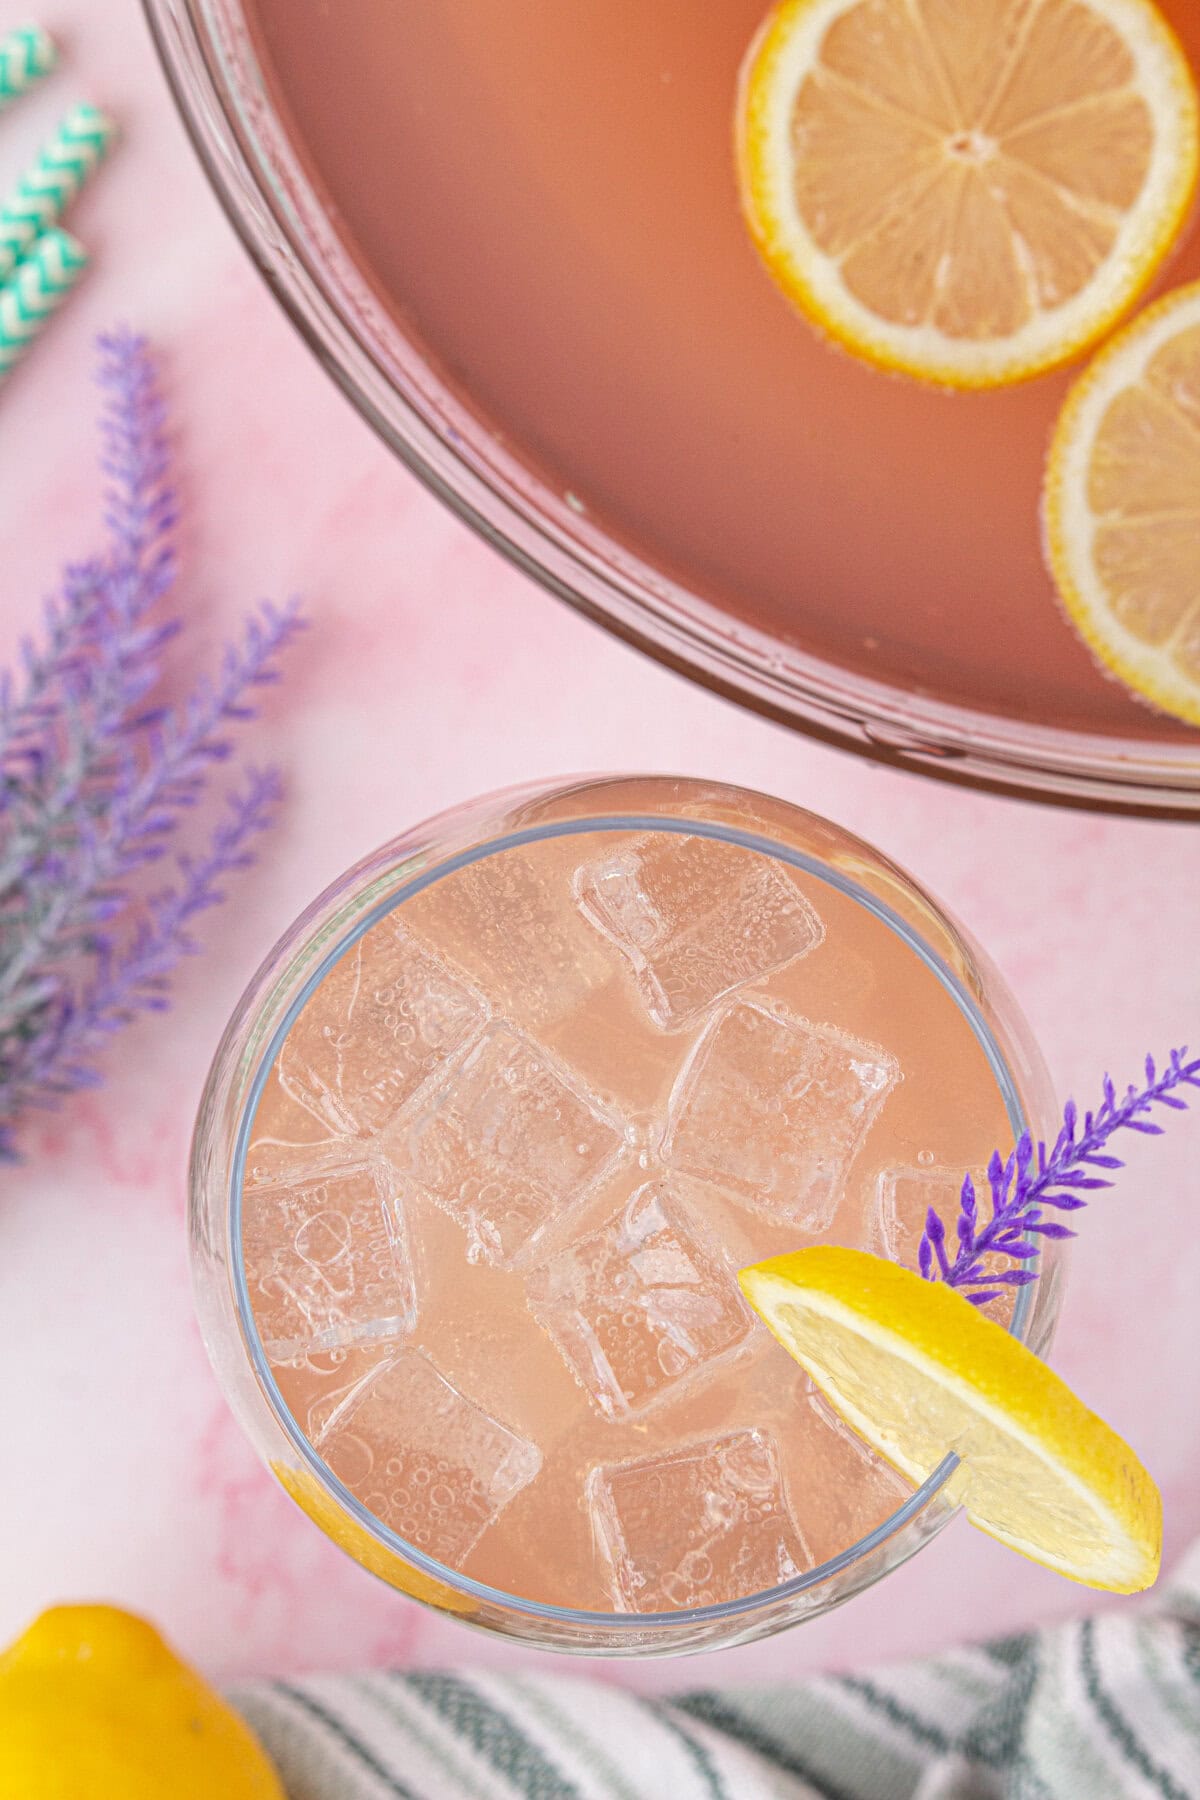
967, 191
1122, 505
917, 1371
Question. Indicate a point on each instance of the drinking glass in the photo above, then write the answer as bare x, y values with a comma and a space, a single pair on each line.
576, 812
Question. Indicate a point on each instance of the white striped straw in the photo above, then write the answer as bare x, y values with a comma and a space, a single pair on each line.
25, 56
37, 289
46, 190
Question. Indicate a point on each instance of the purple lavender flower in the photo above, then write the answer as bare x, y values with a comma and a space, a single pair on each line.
1025, 1183
96, 777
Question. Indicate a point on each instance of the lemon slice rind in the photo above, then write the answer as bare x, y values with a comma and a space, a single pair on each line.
788, 47
1070, 525
1027, 1433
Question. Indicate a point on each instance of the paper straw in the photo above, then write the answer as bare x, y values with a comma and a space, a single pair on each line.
45, 191
37, 289
25, 56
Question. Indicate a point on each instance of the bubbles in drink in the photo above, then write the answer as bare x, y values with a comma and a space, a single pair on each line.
697, 1524
902, 1200
328, 1261
289, 1143
508, 922
694, 919
772, 1109
507, 1143
843, 1489
504, 1171
387, 1016
641, 1308
424, 1458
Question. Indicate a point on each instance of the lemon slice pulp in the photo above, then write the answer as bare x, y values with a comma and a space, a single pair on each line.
917, 1371
966, 191
1122, 505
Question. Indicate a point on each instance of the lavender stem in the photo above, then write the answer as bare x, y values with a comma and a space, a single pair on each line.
1061, 1178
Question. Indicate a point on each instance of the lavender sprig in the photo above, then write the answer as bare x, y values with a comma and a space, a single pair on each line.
74, 890
134, 977
1025, 1183
97, 776
57, 729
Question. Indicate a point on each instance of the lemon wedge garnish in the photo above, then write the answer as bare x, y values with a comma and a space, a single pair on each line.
917, 1371
966, 191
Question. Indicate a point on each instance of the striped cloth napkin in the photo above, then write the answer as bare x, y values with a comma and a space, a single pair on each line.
1106, 1709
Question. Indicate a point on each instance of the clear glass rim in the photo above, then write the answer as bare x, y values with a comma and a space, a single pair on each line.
633, 601
812, 866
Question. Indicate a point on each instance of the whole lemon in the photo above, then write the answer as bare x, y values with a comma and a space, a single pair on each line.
94, 1704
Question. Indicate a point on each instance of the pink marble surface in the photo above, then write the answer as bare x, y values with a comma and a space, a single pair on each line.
434, 671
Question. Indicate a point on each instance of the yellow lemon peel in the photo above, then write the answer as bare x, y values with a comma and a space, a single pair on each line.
962, 193
918, 1372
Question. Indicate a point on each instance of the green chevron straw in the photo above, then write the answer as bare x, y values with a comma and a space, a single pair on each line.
43, 194
25, 56
39, 286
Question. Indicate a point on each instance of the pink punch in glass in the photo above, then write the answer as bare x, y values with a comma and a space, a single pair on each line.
482, 1152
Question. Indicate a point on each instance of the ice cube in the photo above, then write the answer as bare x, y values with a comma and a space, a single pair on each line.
274, 1162
425, 1459
902, 1199
641, 1307
700, 1524
772, 1109
287, 1143
845, 1491
511, 922
315, 1385
382, 1021
328, 1262
507, 1143
695, 918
